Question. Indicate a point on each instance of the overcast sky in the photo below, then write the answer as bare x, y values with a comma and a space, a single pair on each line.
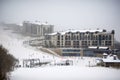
64, 14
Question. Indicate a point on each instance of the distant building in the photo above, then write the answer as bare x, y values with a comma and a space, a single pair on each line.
37, 28
15, 28
72, 41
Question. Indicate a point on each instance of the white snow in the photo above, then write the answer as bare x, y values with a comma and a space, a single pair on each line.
103, 47
92, 47
82, 69
52, 33
95, 47
110, 58
66, 73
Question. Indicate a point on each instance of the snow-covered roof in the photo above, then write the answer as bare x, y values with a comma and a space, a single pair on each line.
92, 47
110, 58
83, 31
74, 31
105, 54
37, 22
103, 47
86, 31
95, 47
52, 33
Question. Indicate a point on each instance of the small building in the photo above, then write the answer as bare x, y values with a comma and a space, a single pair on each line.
110, 60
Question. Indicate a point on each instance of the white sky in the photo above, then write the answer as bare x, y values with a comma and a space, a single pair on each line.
65, 14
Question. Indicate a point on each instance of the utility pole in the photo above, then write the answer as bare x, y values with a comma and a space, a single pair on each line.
81, 53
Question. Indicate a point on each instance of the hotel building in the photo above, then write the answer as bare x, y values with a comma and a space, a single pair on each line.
71, 42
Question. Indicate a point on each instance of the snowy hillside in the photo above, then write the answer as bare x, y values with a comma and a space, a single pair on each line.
14, 44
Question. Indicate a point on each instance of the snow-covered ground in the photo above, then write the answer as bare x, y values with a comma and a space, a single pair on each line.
66, 73
80, 69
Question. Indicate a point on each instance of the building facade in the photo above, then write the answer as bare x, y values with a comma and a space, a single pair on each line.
72, 40
37, 28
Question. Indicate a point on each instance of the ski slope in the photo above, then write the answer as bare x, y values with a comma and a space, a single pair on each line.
14, 44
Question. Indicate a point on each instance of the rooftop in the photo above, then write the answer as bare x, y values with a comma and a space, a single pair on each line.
37, 22
74, 31
111, 58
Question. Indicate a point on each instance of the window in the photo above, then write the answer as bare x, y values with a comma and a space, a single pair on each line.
58, 42
69, 37
58, 37
74, 37
108, 43
77, 37
62, 37
88, 37
103, 37
80, 36
67, 43
84, 43
94, 43
110, 37
66, 37
76, 44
